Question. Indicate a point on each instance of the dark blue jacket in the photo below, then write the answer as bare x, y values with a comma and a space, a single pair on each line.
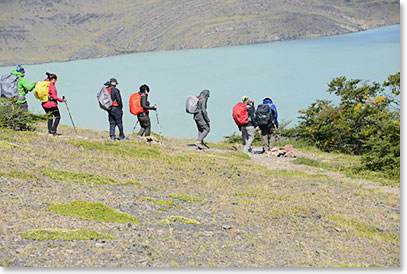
268, 101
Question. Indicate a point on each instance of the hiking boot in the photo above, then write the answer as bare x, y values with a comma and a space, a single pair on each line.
198, 145
113, 138
204, 145
124, 138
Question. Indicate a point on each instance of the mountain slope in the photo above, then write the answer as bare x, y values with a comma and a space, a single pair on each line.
170, 205
54, 30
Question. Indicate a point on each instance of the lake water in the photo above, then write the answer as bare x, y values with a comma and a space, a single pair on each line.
293, 73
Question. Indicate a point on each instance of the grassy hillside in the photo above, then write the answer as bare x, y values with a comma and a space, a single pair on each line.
84, 201
53, 30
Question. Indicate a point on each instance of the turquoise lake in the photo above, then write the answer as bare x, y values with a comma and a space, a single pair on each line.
293, 73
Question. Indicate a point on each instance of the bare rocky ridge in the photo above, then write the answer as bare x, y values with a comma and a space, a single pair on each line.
36, 31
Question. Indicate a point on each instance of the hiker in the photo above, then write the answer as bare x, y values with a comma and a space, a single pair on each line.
116, 112
201, 119
23, 87
266, 119
51, 105
143, 117
248, 129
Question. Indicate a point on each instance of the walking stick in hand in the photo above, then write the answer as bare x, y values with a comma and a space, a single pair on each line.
67, 108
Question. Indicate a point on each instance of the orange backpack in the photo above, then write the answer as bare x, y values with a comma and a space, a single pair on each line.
135, 104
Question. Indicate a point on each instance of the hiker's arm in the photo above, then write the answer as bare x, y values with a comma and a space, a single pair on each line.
251, 113
118, 98
26, 85
53, 94
143, 103
204, 113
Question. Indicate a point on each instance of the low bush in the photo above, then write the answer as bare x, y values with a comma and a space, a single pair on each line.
15, 118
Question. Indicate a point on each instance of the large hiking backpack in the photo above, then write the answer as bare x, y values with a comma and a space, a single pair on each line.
41, 91
240, 115
191, 105
135, 104
264, 116
9, 85
104, 99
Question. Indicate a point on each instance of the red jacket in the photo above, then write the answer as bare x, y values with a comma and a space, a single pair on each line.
52, 93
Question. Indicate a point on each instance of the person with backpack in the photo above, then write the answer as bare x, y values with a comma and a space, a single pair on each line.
51, 105
266, 119
115, 113
248, 129
23, 87
201, 119
143, 117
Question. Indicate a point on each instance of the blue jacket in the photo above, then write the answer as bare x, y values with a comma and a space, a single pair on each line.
268, 101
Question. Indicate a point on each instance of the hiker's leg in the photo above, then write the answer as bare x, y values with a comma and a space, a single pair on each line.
200, 129
112, 125
272, 138
244, 135
49, 113
205, 131
264, 139
57, 116
119, 122
250, 138
24, 106
142, 125
148, 126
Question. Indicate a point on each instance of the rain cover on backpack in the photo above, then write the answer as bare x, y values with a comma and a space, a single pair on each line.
104, 99
41, 91
135, 104
9, 85
240, 115
191, 105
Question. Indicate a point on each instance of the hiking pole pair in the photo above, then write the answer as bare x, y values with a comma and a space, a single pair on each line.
67, 108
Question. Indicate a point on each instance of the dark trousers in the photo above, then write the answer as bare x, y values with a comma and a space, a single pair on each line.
53, 120
24, 106
115, 119
145, 124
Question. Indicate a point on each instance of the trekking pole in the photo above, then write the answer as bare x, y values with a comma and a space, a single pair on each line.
134, 128
67, 108
158, 123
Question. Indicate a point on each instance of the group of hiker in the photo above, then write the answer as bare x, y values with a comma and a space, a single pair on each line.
109, 99
247, 117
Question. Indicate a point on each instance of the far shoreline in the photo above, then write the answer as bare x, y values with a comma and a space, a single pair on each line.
187, 49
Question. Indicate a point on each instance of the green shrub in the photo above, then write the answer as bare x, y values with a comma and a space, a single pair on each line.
365, 122
15, 118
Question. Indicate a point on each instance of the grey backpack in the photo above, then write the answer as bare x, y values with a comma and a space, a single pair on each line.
191, 105
9, 85
104, 99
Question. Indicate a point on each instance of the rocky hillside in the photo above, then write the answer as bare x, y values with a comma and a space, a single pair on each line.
80, 200
36, 31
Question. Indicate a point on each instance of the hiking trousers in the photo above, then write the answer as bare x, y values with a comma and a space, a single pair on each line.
203, 129
24, 106
247, 138
53, 120
145, 124
268, 138
116, 119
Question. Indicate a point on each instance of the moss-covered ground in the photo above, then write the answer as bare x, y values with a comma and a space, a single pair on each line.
140, 204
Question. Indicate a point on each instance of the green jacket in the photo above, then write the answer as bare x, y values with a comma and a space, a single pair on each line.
23, 87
